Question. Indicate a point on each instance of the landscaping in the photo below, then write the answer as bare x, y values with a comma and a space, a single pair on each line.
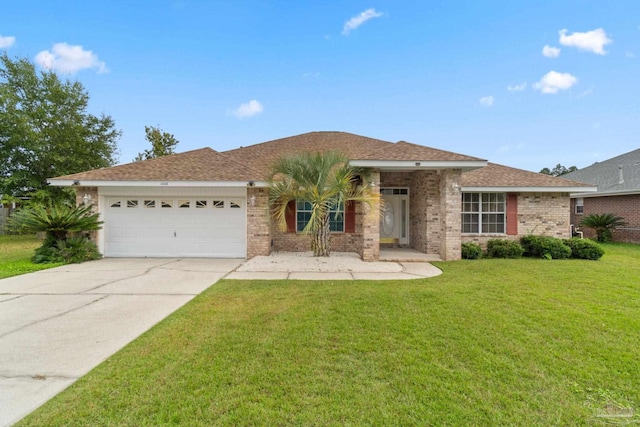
524, 341
16, 252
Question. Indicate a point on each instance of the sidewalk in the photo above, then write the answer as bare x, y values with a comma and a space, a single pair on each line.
339, 266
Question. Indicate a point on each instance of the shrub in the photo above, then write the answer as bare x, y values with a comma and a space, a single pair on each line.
584, 249
471, 250
72, 250
545, 247
502, 248
603, 224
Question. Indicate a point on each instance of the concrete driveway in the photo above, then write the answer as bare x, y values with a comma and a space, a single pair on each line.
58, 324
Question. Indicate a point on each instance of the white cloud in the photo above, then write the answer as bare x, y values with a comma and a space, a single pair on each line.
248, 109
552, 82
592, 41
69, 59
6, 41
358, 20
487, 101
517, 88
550, 51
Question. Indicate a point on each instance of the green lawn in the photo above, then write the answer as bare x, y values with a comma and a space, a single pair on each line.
490, 342
16, 253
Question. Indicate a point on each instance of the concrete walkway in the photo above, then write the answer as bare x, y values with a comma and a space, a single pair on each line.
58, 324
339, 266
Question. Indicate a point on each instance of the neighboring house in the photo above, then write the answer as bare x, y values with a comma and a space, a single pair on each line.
205, 203
618, 182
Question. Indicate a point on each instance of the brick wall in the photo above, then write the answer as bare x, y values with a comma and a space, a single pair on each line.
545, 214
95, 207
450, 215
258, 222
628, 207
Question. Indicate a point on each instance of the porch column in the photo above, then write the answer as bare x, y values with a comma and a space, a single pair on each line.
451, 211
371, 224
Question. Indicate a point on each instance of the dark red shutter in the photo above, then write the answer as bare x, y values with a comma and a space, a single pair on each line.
290, 216
350, 217
512, 213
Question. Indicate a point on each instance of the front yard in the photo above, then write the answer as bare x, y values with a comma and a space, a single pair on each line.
16, 253
489, 342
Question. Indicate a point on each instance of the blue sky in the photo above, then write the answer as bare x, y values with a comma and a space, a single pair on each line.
524, 83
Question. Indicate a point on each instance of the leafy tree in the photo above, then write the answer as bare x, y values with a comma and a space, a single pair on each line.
558, 170
603, 224
45, 129
162, 144
322, 179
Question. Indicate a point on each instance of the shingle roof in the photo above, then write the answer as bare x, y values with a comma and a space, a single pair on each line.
260, 156
606, 175
204, 164
403, 150
495, 175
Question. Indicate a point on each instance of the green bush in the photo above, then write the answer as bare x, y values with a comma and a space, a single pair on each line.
545, 247
584, 248
503, 248
72, 250
471, 250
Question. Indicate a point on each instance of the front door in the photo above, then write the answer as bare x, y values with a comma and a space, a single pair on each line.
394, 221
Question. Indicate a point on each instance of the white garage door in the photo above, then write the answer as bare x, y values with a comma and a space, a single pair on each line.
158, 226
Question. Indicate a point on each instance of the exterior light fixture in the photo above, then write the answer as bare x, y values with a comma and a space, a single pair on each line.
252, 200
86, 199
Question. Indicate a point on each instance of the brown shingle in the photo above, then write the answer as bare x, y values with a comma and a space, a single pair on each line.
406, 151
204, 164
260, 157
494, 175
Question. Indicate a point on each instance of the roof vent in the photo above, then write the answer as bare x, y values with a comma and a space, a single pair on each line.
621, 179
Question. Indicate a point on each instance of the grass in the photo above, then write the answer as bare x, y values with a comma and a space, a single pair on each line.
16, 253
489, 342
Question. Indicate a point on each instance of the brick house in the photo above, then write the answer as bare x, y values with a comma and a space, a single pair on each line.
205, 203
618, 183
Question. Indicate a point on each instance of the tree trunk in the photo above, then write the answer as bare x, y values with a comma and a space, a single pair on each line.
321, 242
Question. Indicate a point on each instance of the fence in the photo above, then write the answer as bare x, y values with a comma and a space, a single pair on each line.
4, 216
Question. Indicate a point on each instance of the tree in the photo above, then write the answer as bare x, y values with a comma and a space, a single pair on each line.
45, 129
162, 144
603, 224
558, 170
324, 180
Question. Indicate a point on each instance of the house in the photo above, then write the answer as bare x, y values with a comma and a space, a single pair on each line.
618, 182
205, 203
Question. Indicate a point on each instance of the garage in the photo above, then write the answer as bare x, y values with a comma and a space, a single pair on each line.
174, 226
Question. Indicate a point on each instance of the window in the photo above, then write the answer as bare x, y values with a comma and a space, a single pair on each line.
116, 203
218, 204
132, 203
579, 206
483, 213
201, 204
336, 216
149, 203
166, 203
234, 205
184, 203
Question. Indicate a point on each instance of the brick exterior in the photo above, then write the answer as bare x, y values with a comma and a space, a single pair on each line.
95, 206
628, 207
258, 222
544, 214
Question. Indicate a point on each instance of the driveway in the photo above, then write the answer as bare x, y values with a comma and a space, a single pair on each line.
58, 324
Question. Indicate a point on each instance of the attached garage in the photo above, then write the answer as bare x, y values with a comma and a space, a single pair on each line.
196, 223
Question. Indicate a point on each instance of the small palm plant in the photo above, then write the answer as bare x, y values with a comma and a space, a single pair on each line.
59, 222
324, 180
603, 224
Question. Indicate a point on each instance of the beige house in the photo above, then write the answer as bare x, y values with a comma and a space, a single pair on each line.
205, 203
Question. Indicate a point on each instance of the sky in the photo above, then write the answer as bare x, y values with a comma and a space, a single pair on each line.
528, 84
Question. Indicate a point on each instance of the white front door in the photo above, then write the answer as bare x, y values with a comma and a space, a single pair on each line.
394, 221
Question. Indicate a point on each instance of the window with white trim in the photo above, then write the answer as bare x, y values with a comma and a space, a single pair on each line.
336, 216
579, 206
483, 213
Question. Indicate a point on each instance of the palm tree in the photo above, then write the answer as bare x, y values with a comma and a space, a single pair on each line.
323, 180
603, 224
57, 221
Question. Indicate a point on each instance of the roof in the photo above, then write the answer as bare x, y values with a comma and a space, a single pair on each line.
618, 175
204, 164
497, 177
261, 156
403, 150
